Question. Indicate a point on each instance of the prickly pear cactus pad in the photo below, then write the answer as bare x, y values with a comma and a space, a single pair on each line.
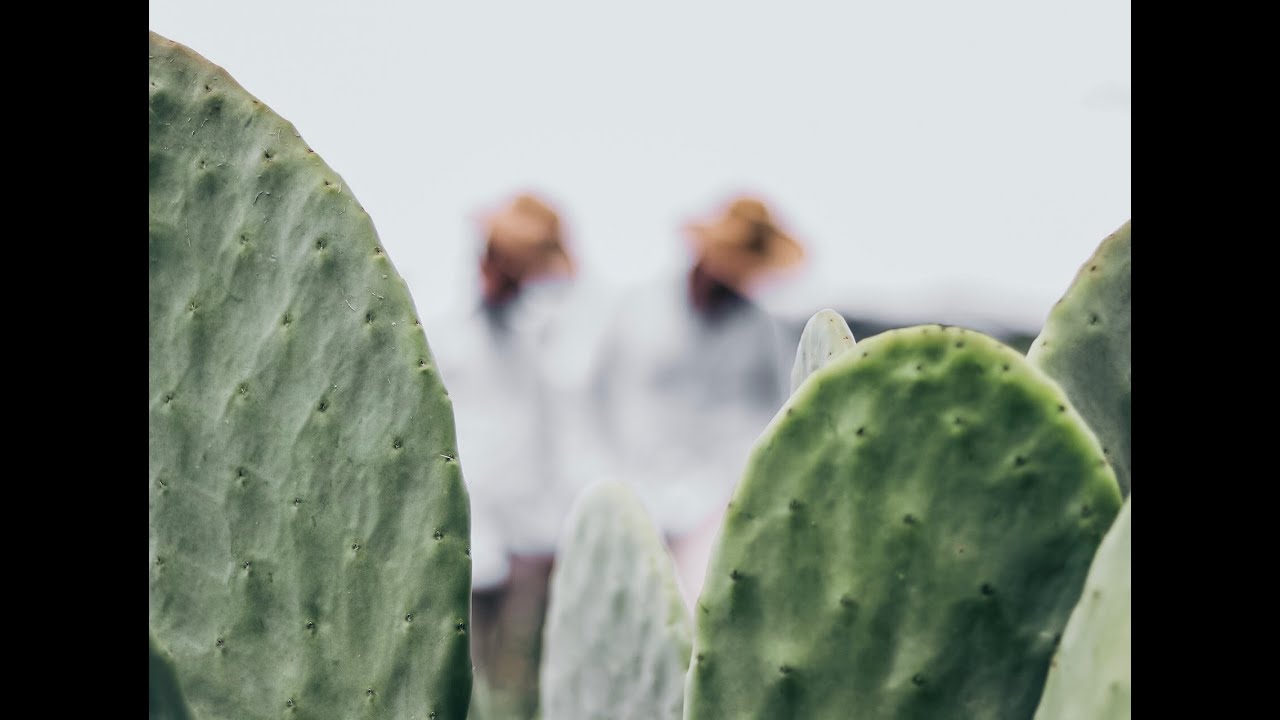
826, 336
308, 519
1086, 346
164, 697
910, 535
1091, 677
617, 635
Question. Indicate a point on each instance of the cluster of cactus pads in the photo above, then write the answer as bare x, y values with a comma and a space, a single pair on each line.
910, 539
933, 526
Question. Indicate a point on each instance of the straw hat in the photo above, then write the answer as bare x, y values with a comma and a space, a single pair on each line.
744, 242
527, 236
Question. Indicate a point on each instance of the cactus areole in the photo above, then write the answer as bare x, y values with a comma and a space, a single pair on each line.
308, 521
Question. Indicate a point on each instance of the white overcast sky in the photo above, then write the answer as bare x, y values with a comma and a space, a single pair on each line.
941, 160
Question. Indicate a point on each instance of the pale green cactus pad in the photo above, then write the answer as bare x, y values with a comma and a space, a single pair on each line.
909, 538
164, 696
1087, 347
616, 644
308, 519
826, 337
1091, 677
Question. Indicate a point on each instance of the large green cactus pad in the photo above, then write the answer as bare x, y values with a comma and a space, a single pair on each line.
308, 519
1086, 346
617, 635
1091, 678
911, 534
826, 337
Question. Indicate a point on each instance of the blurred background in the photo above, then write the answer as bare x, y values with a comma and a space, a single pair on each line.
950, 162
938, 161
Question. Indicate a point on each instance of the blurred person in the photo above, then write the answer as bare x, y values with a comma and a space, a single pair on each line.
511, 363
689, 375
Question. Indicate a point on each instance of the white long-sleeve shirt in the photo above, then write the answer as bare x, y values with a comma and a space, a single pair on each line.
681, 397
517, 377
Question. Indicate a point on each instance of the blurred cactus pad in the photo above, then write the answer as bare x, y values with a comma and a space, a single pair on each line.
1091, 676
908, 541
308, 519
617, 633
1087, 347
825, 337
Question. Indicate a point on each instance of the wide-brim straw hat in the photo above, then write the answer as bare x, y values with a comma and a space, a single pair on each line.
527, 232
748, 230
